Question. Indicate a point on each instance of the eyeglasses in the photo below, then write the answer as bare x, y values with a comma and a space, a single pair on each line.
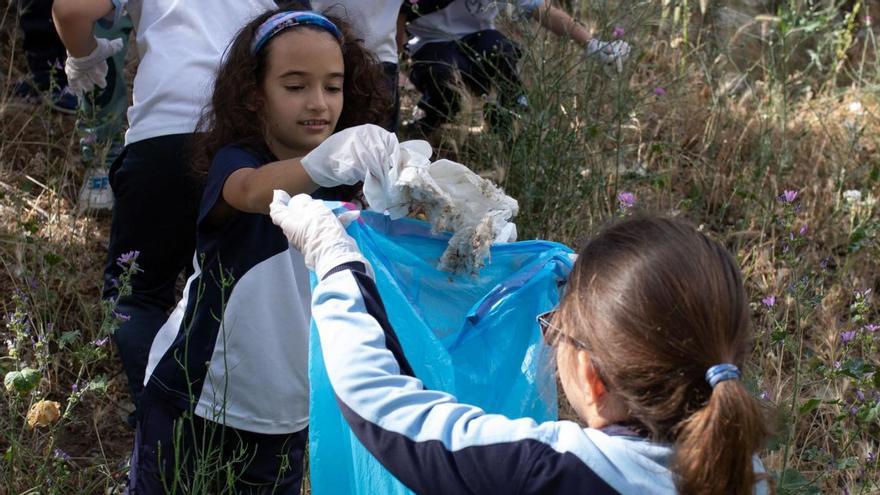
553, 334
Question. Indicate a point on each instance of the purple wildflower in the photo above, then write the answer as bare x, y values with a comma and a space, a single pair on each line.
769, 301
74, 388
788, 196
803, 230
836, 365
853, 410
101, 342
869, 457
618, 32
846, 337
659, 91
765, 395
626, 200
60, 454
860, 395
128, 258
121, 317
871, 327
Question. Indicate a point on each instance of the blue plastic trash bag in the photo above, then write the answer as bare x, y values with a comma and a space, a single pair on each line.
474, 336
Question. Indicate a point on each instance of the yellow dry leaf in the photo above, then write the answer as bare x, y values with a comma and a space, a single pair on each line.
43, 413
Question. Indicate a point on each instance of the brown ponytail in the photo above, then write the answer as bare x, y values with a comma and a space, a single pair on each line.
657, 303
715, 445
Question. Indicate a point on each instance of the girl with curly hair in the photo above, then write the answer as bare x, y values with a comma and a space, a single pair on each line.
226, 393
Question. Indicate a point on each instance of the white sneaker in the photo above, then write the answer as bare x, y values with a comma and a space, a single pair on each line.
95, 194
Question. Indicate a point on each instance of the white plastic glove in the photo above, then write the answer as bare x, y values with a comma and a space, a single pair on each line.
382, 191
609, 52
84, 73
312, 229
349, 156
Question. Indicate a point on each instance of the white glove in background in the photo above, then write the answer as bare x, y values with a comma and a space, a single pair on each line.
351, 155
609, 52
312, 229
85, 73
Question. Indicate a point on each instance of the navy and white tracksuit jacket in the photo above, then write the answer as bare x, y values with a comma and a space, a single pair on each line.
434, 444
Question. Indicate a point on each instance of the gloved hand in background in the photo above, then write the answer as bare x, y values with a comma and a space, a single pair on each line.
609, 52
352, 155
86, 73
312, 229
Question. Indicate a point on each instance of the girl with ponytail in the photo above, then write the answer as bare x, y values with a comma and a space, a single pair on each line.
650, 339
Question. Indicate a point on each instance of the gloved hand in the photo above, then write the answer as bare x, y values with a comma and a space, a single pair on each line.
609, 52
349, 156
312, 229
382, 192
84, 73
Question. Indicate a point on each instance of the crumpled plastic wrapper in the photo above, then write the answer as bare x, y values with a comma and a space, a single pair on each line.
43, 413
452, 198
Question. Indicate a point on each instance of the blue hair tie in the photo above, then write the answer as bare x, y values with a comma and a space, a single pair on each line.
722, 372
285, 20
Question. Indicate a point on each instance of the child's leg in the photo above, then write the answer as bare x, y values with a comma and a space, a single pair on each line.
156, 203
268, 464
154, 463
497, 66
433, 74
42, 47
391, 74
45, 56
498, 59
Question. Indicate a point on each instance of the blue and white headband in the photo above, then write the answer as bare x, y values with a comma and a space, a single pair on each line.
285, 20
722, 372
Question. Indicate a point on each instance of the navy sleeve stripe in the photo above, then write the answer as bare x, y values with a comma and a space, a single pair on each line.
376, 309
428, 467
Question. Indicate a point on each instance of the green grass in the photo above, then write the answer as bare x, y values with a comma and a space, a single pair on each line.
711, 120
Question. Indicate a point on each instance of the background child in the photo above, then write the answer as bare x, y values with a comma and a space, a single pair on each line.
649, 340
235, 351
461, 37
180, 44
374, 21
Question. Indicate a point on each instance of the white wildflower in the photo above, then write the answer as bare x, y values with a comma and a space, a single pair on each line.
855, 108
852, 196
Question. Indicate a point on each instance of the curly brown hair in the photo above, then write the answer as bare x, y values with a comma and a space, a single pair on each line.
230, 117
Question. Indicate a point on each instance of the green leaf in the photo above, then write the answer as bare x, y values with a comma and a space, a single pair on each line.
22, 381
869, 414
793, 482
810, 405
847, 463
68, 338
98, 385
52, 259
9, 380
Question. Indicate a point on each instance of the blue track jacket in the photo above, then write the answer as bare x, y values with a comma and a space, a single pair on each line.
434, 444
